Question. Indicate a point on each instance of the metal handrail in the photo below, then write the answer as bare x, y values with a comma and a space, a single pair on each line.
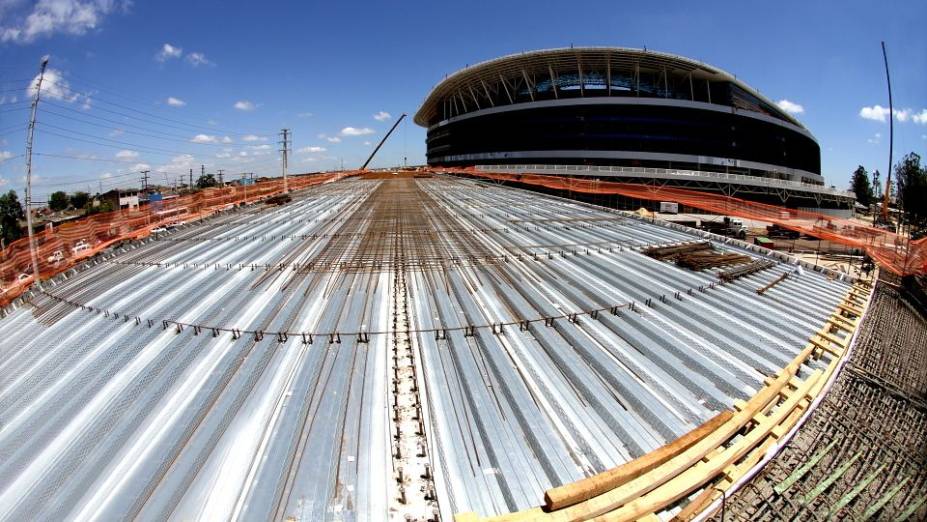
715, 176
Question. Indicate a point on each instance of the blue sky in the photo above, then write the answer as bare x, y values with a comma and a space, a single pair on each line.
240, 71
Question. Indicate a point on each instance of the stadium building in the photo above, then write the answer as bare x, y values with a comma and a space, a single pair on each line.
625, 114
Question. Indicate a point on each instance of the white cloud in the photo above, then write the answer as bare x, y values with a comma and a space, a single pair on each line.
381, 116
126, 155
260, 147
244, 105
352, 131
333, 139
309, 160
49, 17
879, 113
311, 149
790, 106
5, 155
304, 115
204, 138
875, 138
116, 132
182, 163
141, 166
197, 59
54, 86
222, 155
253, 138
167, 52
175, 102
876, 113
367, 143
921, 118
226, 139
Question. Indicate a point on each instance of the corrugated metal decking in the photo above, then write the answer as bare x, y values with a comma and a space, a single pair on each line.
107, 412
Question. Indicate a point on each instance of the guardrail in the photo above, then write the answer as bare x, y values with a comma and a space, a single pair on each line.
675, 174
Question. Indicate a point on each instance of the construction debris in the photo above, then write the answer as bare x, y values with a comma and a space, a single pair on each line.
703, 260
674, 251
743, 271
775, 282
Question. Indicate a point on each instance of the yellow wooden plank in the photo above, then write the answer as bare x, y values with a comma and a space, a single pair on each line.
692, 478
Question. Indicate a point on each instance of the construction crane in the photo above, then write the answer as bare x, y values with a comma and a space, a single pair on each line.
372, 154
886, 196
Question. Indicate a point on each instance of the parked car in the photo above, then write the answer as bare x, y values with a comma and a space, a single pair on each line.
56, 257
23, 277
81, 246
158, 230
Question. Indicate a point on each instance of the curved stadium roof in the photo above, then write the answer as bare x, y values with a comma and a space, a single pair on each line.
475, 82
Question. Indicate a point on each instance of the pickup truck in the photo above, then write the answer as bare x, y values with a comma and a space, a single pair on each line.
731, 227
80, 247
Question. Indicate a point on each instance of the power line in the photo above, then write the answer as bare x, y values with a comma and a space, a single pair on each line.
163, 135
150, 114
118, 144
104, 109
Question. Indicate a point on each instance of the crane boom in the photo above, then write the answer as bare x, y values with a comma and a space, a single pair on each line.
372, 154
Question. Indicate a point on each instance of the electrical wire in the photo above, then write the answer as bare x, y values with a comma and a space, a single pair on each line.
158, 135
115, 145
172, 120
56, 104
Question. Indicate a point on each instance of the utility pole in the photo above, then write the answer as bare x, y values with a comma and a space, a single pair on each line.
190, 186
285, 133
221, 184
145, 180
202, 170
29, 142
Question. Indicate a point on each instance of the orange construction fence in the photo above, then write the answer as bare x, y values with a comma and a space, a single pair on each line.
61, 247
891, 251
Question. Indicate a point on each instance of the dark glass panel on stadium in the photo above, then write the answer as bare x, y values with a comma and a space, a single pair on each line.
618, 127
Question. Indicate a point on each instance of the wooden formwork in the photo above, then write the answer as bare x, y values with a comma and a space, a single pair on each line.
708, 460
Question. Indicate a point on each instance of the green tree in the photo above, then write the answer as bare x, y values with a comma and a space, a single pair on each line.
58, 201
206, 180
859, 184
104, 206
80, 199
911, 178
11, 213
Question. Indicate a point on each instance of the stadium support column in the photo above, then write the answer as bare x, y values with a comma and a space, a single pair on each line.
29, 141
285, 142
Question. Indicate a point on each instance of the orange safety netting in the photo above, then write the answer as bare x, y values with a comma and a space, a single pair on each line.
61, 247
890, 250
